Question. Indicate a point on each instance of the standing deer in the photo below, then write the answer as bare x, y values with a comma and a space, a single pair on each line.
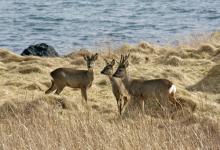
73, 78
121, 94
141, 90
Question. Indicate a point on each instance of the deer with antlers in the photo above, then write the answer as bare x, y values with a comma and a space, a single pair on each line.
141, 90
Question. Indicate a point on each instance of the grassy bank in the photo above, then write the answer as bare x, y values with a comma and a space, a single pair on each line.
29, 119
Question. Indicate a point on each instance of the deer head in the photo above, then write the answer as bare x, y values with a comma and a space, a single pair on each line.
108, 69
90, 60
123, 64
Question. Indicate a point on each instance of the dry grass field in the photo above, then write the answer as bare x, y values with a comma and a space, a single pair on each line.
29, 119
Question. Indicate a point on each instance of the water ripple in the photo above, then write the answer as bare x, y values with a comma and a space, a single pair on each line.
73, 24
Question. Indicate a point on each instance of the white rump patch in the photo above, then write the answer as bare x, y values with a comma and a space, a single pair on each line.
172, 89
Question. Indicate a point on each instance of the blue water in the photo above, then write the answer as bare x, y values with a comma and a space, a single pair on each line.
72, 24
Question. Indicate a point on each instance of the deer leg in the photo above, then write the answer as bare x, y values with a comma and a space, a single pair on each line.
172, 98
59, 90
142, 105
125, 103
52, 88
119, 105
175, 101
84, 94
125, 100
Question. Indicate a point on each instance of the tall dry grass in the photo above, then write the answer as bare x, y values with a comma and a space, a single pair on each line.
29, 119
52, 129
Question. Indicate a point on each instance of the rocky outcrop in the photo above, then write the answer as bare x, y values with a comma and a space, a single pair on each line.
41, 49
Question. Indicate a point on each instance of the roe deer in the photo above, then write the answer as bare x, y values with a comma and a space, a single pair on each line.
73, 78
121, 94
141, 90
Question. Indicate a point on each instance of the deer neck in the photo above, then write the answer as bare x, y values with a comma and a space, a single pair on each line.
91, 74
112, 79
114, 82
126, 81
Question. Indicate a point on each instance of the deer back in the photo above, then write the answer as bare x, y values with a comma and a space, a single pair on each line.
149, 88
73, 78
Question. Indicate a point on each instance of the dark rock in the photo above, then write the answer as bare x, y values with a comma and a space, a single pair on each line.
41, 49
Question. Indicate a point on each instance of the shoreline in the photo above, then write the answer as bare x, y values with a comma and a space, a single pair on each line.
176, 41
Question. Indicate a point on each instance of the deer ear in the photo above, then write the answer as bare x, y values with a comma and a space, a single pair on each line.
95, 57
106, 61
113, 62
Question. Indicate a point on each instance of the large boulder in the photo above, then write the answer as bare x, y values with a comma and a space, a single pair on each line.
41, 49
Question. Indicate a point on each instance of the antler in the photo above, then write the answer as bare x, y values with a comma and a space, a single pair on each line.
124, 58
121, 60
